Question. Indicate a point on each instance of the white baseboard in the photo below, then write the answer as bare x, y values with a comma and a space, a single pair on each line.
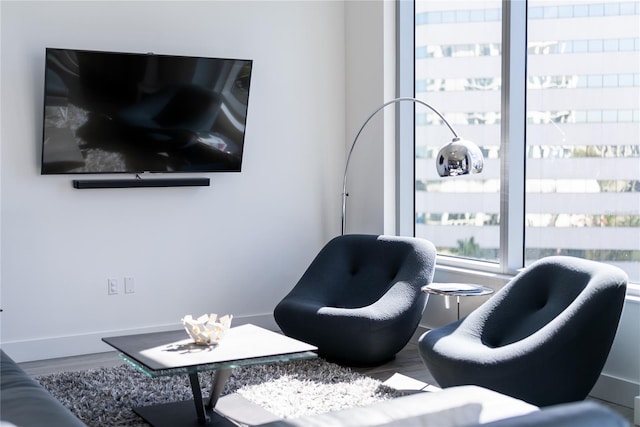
76, 345
615, 390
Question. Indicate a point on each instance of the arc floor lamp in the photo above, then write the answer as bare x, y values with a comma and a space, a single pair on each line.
458, 157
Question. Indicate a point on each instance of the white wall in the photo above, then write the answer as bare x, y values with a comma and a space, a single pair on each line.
235, 247
370, 70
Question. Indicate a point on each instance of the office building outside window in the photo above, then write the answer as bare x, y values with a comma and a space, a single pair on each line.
581, 139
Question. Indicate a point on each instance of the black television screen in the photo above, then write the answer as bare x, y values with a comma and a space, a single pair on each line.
108, 112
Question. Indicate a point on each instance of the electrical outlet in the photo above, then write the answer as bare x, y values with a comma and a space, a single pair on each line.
112, 286
129, 285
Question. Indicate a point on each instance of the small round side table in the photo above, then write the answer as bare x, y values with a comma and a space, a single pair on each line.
456, 290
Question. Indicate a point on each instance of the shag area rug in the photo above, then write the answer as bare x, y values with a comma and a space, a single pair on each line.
105, 397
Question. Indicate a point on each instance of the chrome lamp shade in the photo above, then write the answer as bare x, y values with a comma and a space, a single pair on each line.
458, 157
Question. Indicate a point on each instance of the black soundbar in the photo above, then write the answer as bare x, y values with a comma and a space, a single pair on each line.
138, 182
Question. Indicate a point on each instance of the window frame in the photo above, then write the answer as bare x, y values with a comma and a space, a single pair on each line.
513, 128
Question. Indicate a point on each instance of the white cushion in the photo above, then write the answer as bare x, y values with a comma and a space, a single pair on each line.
451, 407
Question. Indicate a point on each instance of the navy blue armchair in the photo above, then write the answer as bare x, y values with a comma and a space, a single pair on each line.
359, 301
543, 338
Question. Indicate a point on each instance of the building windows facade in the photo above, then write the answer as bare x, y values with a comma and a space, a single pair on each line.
576, 121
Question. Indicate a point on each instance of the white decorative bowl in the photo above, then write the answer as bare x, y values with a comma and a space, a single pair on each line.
207, 329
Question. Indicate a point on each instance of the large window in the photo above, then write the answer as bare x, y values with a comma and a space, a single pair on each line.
550, 91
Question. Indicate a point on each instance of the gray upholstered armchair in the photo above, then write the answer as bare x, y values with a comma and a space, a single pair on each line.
359, 301
543, 338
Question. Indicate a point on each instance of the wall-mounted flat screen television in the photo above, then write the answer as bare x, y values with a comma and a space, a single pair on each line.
112, 112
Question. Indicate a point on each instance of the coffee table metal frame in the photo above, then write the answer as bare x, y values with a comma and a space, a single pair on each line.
173, 414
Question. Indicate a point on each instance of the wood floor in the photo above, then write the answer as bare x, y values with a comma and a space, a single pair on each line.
407, 363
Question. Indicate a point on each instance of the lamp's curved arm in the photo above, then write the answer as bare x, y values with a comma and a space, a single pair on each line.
346, 168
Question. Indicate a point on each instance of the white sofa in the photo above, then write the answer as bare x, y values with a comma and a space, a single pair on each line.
462, 406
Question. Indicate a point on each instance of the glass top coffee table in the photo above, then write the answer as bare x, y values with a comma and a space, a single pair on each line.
456, 290
174, 353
